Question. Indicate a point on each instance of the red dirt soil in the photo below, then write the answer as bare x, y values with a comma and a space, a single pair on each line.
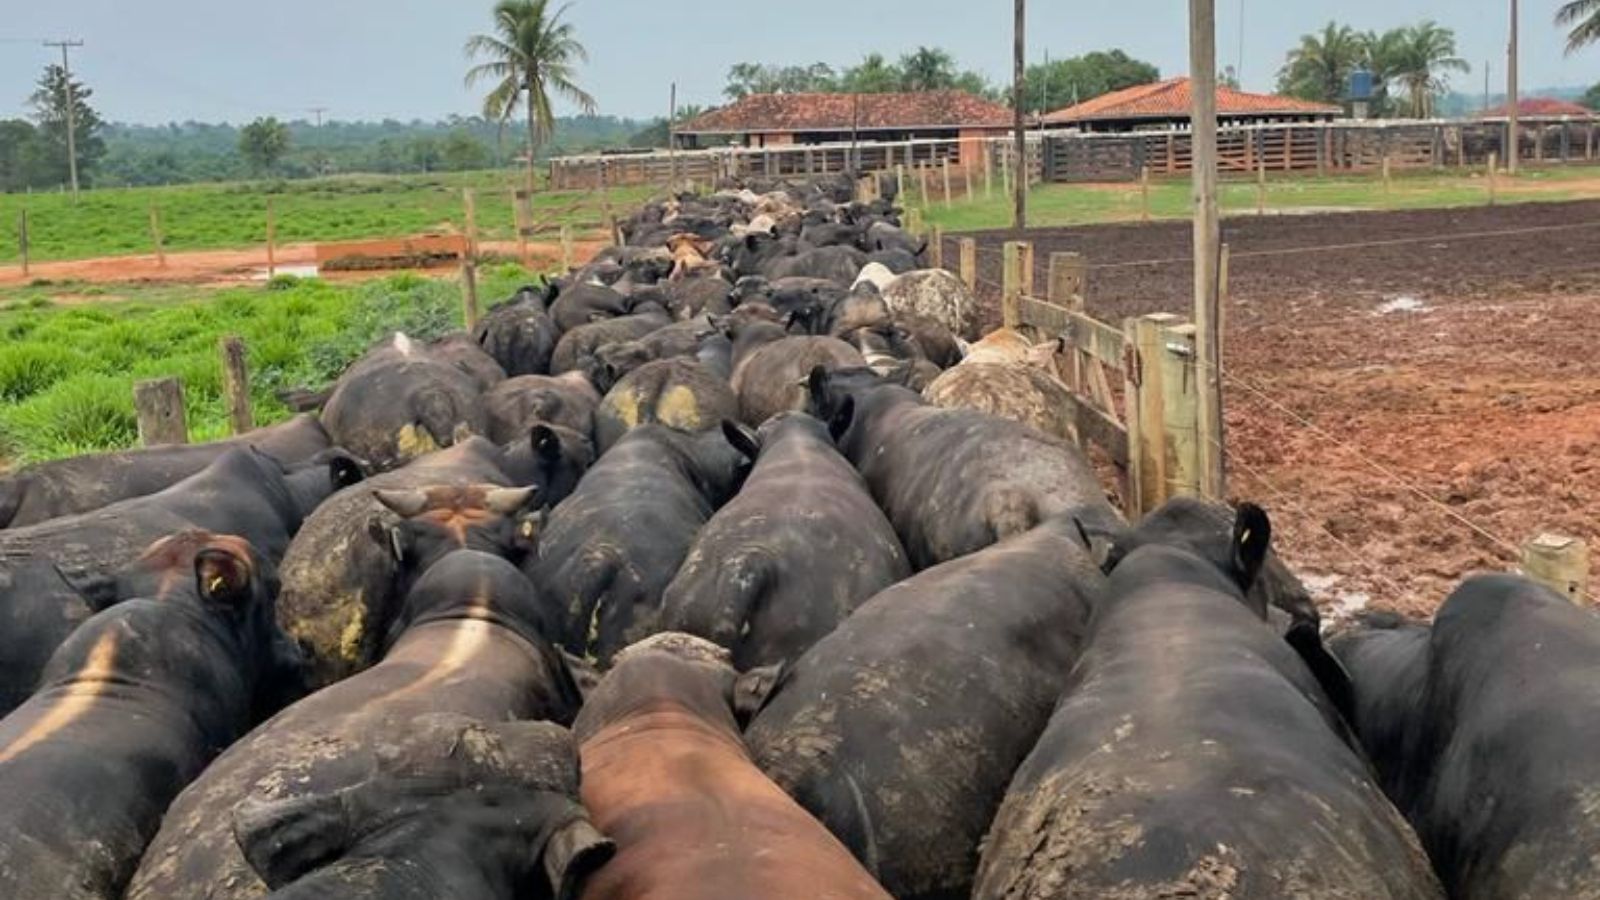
1411, 410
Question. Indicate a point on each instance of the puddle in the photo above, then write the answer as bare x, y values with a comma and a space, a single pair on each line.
1401, 305
298, 271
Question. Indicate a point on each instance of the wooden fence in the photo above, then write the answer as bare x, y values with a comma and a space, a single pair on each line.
1321, 147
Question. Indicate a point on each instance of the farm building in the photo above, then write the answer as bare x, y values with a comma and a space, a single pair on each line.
1165, 104
780, 120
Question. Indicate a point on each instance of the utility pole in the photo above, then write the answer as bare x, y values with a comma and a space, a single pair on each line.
1238, 70
318, 111
1207, 242
1513, 139
72, 111
1019, 125
1487, 66
672, 134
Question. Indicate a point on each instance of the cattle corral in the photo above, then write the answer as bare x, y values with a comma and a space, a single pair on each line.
1414, 392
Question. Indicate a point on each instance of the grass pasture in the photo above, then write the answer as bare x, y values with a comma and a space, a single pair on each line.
67, 371
116, 222
1061, 205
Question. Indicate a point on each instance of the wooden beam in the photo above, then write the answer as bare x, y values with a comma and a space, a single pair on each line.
935, 246
469, 293
1558, 562
969, 263
1016, 282
236, 384
1207, 243
1069, 280
158, 403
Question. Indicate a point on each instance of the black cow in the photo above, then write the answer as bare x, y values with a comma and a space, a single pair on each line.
578, 349
470, 640
56, 574
1193, 754
1483, 730
771, 377
400, 401
519, 334
679, 393
954, 480
678, 339
517, 404
791, 556
348, 567
475, 810
608, 551
584, 303
63, 487
132, 708
900, 730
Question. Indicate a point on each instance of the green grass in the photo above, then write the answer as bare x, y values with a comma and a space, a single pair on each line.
1061, 204
231, 215
67, 372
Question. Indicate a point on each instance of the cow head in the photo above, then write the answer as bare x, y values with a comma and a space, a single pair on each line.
437, 520
474, 805
680, 670
551, 459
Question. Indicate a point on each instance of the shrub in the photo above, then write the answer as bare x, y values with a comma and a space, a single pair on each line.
82, 414
27, 369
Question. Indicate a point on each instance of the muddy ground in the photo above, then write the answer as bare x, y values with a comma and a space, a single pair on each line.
1411, 394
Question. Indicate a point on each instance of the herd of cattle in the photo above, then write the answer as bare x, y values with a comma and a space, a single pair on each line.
734, 565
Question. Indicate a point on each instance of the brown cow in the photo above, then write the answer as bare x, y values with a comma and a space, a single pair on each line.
690, 254
667, 776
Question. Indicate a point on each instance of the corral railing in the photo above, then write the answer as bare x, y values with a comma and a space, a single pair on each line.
1320, 147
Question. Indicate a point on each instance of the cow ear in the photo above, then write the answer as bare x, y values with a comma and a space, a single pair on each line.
750, 241
546, 443
395, 538
753, 689
222, 576
285, 839
743, 438
572, 854
345, 471
1306, 639
839, 422
817, 387
1252, 538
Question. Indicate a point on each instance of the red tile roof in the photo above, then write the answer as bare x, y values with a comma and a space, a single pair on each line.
835, 112
1539, 107
1170, 99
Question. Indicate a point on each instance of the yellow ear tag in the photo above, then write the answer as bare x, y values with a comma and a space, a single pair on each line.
527, 529
216, 582
1244, 538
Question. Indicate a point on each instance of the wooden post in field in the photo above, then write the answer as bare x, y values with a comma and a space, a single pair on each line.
1205, 341
1163, 422
1069, 281
566, 248
1261, 186
1558, 562
900, 183
158, 403
469, 208
155, 237
914, 221
1005, 173
947, 200
1015, 282
469, 293
1224, 266
272, 239
22, 240
1494, 163
922, 171
969, 263
1388, 175
936, 247
236, 384
988, 170
518, 226
966, 182
1144, 193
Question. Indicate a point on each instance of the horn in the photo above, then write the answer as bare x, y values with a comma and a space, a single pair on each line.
403, 503
506, 501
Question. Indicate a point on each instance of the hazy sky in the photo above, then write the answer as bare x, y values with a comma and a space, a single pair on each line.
162, 60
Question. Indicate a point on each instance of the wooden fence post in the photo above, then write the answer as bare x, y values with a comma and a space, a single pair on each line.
922, 171
22, 240
1069, 281
1144, 193
1016, 281
1388, 174
469, 204
988, 170
914, 221
469, 293
1261, 186
1005, 173
900, 182
566, 248
969, 263
272, 239
1558, 562
1163, 419
1494, 163
158, 403
155, 237
947, 200
518, 226
236, 384
936, 247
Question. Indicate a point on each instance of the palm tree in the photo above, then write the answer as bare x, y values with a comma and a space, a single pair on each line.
1420, 59
928, 69
1320, 67
531, 53
1584, 17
